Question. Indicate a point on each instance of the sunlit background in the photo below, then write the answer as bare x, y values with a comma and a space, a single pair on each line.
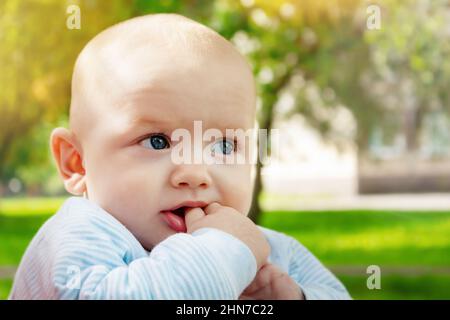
360, 94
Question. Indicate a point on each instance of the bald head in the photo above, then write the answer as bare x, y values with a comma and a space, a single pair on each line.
149, 51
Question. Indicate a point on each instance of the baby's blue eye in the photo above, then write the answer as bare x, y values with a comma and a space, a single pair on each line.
223, 147
156, 141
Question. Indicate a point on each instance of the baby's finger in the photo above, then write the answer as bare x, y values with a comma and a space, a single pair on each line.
192, 215
212, 207
262, 279
264, 293
285, 288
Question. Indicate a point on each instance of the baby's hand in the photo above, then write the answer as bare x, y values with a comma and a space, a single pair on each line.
233, 222
271, 283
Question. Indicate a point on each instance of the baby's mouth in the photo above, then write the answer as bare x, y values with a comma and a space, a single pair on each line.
175, 217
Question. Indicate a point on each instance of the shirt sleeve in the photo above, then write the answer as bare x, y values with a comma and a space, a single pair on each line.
314, 279
208, 264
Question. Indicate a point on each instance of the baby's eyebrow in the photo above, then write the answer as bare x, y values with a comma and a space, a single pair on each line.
141, 125
164, 124
145, 122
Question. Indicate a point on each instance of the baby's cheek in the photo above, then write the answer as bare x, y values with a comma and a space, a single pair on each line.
237, 189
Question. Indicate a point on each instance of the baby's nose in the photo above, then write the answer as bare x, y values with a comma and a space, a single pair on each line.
191, 176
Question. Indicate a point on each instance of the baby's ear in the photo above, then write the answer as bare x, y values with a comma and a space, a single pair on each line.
65, 149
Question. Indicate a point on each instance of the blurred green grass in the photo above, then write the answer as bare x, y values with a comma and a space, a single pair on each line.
400, 287
29, 206
5, 286
369, 237
359, 237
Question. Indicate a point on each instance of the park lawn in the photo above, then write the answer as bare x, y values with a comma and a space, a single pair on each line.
364, 237
5, 287
358, 237
400, 287
30, 206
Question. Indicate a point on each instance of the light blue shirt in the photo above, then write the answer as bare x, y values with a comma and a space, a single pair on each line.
83, 252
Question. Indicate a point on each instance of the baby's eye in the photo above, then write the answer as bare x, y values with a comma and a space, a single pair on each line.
156, 141
223, 146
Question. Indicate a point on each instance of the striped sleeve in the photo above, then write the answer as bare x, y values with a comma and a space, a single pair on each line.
183, 266
314, 279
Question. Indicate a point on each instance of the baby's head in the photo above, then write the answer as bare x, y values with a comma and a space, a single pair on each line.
133, 85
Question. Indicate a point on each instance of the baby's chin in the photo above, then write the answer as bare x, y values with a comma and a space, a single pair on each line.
158, 236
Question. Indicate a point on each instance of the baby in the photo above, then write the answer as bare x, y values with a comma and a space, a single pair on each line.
147, 227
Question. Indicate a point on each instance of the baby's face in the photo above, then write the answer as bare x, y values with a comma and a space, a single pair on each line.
128, 157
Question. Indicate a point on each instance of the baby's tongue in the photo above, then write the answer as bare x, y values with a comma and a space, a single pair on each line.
175, 222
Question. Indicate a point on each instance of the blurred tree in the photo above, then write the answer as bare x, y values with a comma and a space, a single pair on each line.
36, 60
410, 71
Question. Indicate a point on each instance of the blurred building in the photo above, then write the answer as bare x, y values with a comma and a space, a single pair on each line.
391, 166
308, 165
